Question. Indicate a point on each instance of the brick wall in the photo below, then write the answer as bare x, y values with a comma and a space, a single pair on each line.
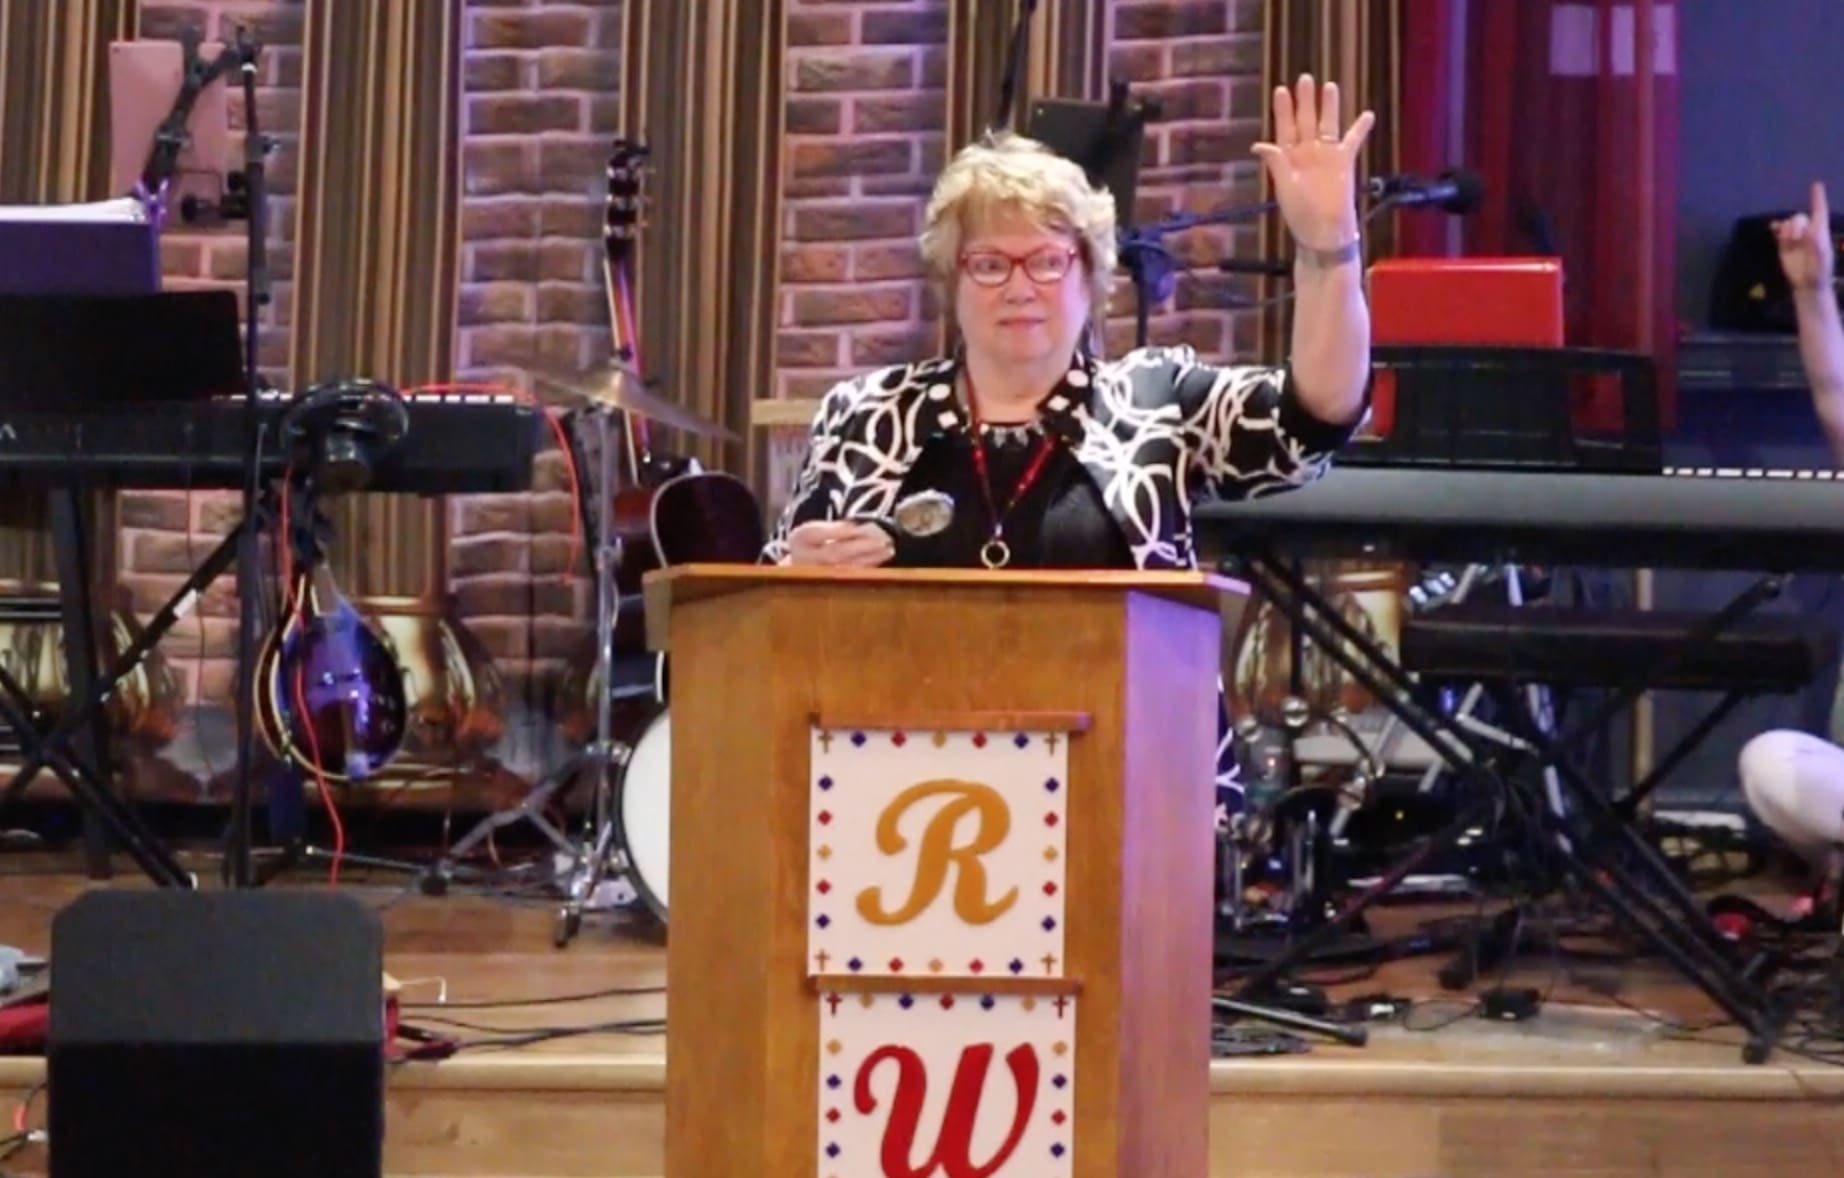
542, 90
1201, 59
164, 535
865, 118
541, 82
865, 109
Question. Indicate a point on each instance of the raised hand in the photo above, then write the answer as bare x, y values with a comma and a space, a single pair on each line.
1806, 252
1312, 165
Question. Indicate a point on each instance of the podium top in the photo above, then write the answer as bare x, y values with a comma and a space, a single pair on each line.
687, 583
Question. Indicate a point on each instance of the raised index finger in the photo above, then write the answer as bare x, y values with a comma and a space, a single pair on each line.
1285, 134
1821, 208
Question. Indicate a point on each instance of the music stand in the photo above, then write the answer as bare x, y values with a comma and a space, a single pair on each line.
161, 348
1105, 138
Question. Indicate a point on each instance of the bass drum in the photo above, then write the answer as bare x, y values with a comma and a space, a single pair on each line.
643, 827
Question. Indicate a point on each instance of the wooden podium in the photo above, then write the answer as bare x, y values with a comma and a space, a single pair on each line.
941, 871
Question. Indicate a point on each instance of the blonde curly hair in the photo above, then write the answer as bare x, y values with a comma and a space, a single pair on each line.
1010, 174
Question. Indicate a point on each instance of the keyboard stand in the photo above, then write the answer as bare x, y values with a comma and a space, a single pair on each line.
69, 509
164, 349
76, 749
62, 749
1615, 865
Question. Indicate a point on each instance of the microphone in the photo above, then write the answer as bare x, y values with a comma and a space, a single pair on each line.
1455, 190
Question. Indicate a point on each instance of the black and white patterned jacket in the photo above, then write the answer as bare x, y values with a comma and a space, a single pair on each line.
1155, 429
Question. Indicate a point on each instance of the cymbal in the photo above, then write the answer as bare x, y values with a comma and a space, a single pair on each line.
618, 386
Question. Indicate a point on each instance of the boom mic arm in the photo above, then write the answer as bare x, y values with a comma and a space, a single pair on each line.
171, 138
1455, 190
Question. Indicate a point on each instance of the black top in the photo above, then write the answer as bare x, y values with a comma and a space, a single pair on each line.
1060, 523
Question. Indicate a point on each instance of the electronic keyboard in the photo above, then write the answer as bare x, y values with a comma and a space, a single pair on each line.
1713, 518
458, 443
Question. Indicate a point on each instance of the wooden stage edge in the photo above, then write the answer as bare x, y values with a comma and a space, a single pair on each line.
1346, 1075
1578, 1091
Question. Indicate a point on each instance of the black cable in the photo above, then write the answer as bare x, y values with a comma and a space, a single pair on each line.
548, 1000
625, 1026
1470, 1009
548, 1034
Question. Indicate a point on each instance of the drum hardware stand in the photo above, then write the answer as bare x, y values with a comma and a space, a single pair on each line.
1441, 590
592, 851
530, 809
301, 854
595, 846
1634, 884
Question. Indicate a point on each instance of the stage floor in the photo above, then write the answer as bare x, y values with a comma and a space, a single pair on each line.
1590, 1087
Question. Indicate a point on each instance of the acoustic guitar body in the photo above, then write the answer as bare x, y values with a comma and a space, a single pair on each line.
631, 521
698, 517
708, 517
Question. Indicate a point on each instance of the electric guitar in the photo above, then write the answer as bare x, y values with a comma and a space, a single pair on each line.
667, 511
330, 697
641, 470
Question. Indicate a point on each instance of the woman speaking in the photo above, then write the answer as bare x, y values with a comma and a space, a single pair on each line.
1027, 448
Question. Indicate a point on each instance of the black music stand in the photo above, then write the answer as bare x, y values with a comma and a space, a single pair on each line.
62, 354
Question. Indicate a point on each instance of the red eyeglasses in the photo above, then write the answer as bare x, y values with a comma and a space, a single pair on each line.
1044, 265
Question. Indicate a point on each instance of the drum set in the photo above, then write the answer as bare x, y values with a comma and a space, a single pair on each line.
616, 698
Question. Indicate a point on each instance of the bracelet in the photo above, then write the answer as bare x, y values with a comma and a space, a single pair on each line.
1350, 251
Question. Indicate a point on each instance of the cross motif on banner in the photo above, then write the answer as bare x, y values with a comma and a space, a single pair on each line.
1062, 1001
833, 1001
1050, 742
826, 742
1049, 960
822, 957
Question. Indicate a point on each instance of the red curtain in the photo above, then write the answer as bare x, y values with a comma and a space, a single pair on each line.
1425, 130
1570, 115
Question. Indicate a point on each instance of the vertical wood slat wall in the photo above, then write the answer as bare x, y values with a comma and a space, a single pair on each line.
377, 247
1065, 57
702, 87
1358, 44
54, 149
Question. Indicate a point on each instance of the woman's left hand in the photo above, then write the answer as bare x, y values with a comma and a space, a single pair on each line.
1313, 167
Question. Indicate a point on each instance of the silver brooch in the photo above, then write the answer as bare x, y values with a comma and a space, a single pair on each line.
925, 513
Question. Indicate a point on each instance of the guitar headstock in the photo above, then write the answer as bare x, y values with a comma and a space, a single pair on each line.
625, 167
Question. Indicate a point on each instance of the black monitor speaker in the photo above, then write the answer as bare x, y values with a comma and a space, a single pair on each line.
216, 1034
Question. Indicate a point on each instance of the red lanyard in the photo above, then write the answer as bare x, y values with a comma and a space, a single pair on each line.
996, 553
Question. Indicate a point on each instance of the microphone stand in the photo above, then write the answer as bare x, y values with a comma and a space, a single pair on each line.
1014, 64
250, 200
246, 196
